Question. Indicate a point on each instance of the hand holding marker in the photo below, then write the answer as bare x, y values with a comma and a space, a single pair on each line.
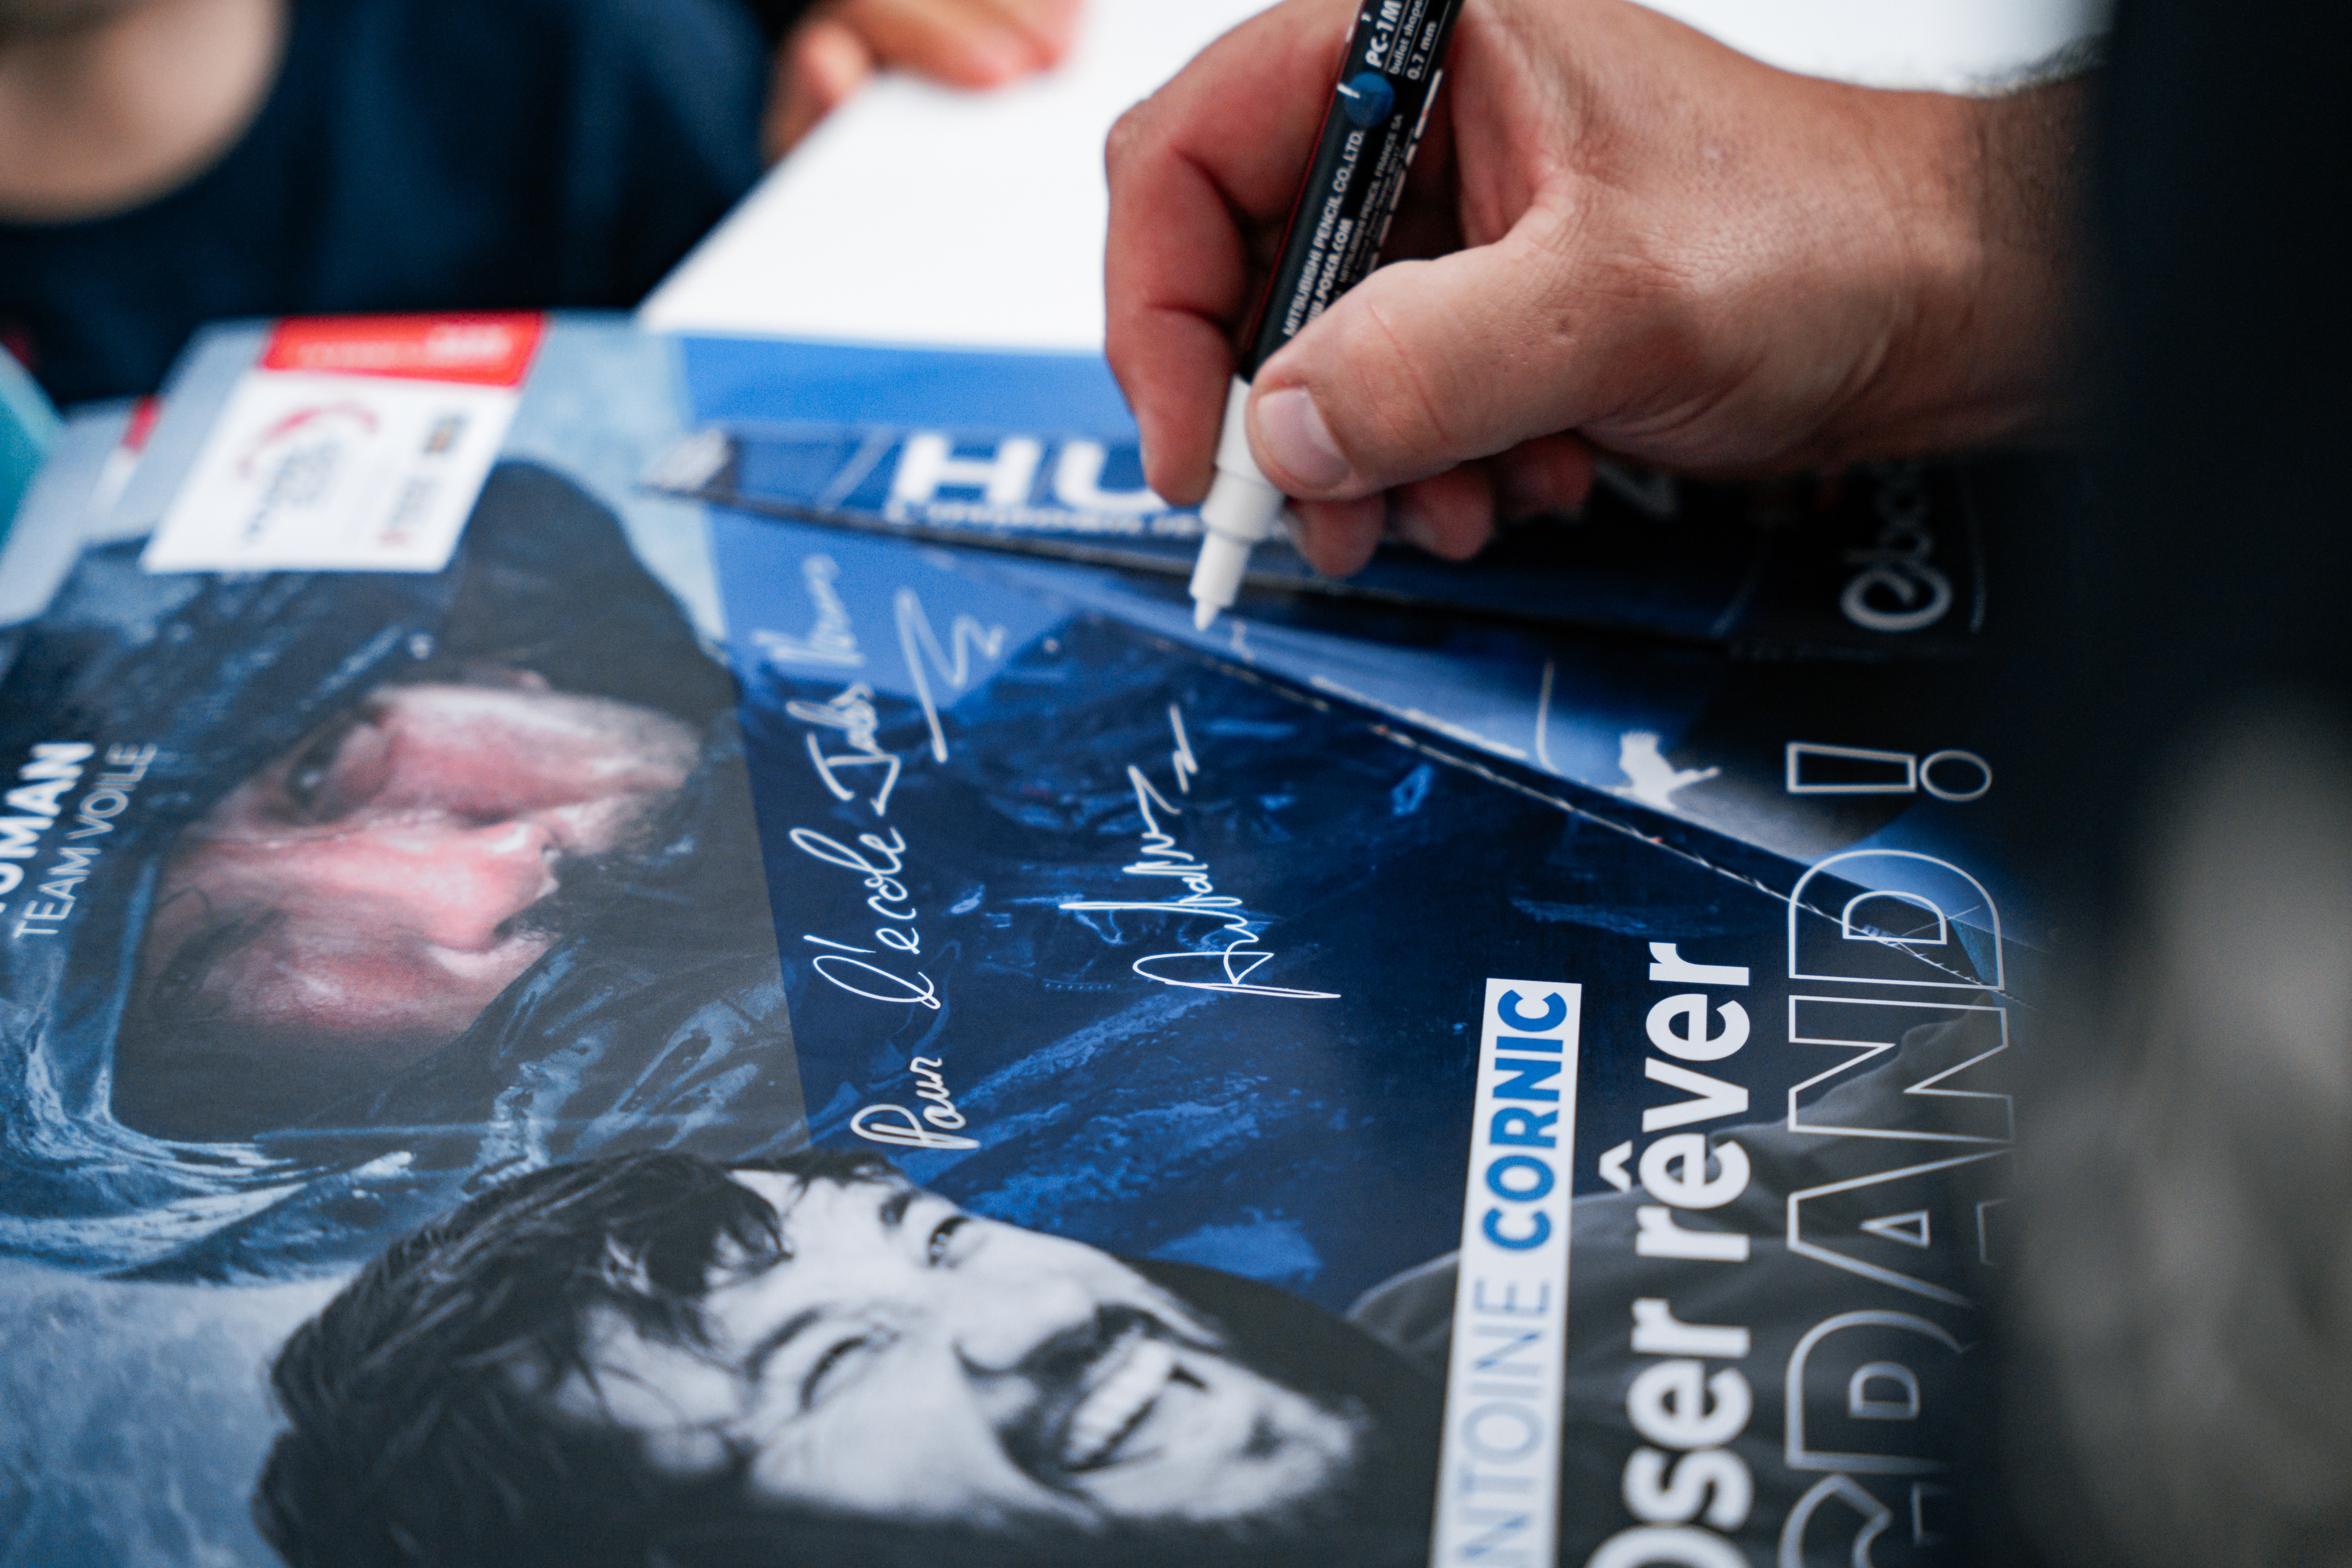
1336, 226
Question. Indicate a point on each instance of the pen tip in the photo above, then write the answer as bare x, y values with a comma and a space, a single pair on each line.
1203, 614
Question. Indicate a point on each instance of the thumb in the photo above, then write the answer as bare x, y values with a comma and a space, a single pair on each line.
1422, 366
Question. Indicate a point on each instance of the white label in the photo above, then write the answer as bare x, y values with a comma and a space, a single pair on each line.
1498, 1477
321, 472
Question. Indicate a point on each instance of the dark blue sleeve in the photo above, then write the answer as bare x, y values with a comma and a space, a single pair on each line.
665, 142
415, 156
568, 153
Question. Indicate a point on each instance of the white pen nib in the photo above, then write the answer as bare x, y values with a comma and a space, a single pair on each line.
1204, 614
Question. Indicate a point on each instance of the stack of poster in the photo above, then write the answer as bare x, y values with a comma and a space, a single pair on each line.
1881, 562
546, 1021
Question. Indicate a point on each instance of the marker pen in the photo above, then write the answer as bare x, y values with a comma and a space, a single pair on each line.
1370, 129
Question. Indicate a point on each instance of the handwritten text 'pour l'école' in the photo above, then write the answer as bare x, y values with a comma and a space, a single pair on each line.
852, 715
843, 740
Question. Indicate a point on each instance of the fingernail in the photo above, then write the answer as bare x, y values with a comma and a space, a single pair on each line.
1291, 429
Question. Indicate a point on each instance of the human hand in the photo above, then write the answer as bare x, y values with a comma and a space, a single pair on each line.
1626, 236
962, 43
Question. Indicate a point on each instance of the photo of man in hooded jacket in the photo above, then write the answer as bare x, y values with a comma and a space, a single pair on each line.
448, 867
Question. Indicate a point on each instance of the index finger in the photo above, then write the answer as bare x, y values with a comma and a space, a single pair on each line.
1199, 171
962, 43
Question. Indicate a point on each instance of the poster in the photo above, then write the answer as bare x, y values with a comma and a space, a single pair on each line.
714, 1039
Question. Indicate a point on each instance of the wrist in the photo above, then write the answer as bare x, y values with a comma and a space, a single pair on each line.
1984, 332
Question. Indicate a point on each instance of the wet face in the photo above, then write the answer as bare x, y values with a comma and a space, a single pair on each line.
910, 1361
370, 890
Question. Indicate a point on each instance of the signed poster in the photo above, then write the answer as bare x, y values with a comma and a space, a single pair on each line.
696, 1039
1674, 1169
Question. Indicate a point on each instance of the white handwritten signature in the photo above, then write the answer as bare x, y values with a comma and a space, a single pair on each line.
852, 715
850, 710
1228, 967
897, 1126
953, 662
830, 641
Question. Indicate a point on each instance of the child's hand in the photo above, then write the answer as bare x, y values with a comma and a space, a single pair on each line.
962, 43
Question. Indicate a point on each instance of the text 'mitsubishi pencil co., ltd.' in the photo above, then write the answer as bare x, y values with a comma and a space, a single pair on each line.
1395, 61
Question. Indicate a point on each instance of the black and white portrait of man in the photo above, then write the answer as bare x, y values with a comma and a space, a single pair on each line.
657, 1358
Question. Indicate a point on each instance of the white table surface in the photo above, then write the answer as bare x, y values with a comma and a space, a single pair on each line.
919, 215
